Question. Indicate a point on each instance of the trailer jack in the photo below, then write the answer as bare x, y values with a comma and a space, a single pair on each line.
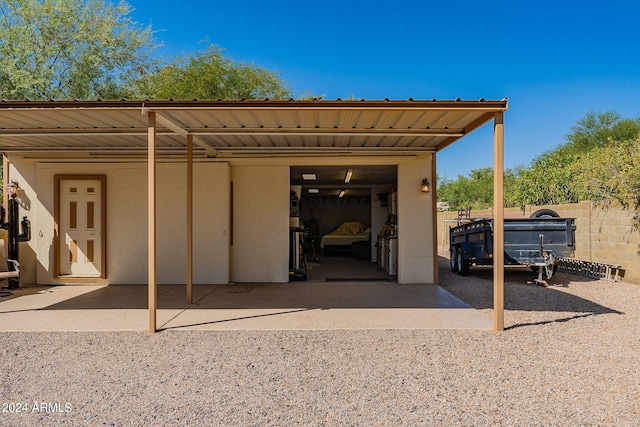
547, 269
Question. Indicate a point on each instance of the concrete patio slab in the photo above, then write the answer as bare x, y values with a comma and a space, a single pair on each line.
287, 306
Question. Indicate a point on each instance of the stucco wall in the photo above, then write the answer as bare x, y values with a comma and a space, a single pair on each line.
126, 233
415, 223
603, 232
260, 249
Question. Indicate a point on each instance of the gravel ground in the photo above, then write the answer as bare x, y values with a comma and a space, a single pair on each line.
570, 356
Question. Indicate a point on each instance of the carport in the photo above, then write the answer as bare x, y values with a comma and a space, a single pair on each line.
192, 131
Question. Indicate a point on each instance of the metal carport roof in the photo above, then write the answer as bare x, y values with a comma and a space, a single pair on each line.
249, 127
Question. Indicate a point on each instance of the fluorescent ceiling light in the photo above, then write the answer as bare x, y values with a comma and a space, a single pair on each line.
348, 177
341, 193
313, 190
309, 176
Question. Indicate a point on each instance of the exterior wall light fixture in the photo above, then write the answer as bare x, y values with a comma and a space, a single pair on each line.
13, 188
425, 186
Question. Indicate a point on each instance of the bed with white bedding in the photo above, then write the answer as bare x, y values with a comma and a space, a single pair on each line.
344, 236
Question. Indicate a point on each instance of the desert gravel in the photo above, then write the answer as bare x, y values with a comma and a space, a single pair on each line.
570, 356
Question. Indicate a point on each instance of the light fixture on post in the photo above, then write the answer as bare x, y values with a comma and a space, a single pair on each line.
347, 178
13, 188
424, 187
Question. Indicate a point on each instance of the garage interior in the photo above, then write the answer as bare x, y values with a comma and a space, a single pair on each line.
353, 198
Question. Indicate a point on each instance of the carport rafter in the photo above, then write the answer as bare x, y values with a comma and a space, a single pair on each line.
166, 120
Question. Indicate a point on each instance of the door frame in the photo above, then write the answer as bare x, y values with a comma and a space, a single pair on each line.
56, 223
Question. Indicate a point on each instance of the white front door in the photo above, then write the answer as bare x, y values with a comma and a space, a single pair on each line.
81, 227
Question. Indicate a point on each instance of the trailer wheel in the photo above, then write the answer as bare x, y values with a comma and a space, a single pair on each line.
462, 265
544, 213
452, 259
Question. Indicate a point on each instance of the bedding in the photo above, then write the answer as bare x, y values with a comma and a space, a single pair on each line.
346, 234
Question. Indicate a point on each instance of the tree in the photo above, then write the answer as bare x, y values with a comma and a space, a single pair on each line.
596, 129
210, 75
565, 175
611, 173
68, 49
551, 179
473, 192
598, 162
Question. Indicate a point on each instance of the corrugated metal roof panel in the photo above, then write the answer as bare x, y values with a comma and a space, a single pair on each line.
229, 125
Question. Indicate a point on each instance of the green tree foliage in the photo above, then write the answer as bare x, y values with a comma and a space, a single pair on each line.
474, 191
66, 49
210, 75
307, 95
611, 172
598, 162
562, 176
550, 180
596, 129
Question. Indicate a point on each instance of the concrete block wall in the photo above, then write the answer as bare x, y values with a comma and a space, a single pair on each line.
603, 232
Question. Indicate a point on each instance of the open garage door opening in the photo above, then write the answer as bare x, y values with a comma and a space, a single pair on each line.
343, 220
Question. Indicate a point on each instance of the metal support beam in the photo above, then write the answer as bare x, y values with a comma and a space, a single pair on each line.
189, 219
434, 210
151, 201
498, 221
167, 120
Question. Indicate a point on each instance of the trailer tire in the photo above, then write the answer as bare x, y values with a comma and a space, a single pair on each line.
453, 255
462, 265
544, 213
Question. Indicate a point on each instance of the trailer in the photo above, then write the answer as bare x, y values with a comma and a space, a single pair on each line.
537, 242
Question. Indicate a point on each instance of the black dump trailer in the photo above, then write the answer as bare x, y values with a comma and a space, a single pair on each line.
536, 242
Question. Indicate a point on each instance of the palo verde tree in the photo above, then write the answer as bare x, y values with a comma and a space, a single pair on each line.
611, 172
66, 49
596, 130
209, 74
566, 174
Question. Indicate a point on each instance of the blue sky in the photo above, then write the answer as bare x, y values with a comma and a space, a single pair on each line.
555, 60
